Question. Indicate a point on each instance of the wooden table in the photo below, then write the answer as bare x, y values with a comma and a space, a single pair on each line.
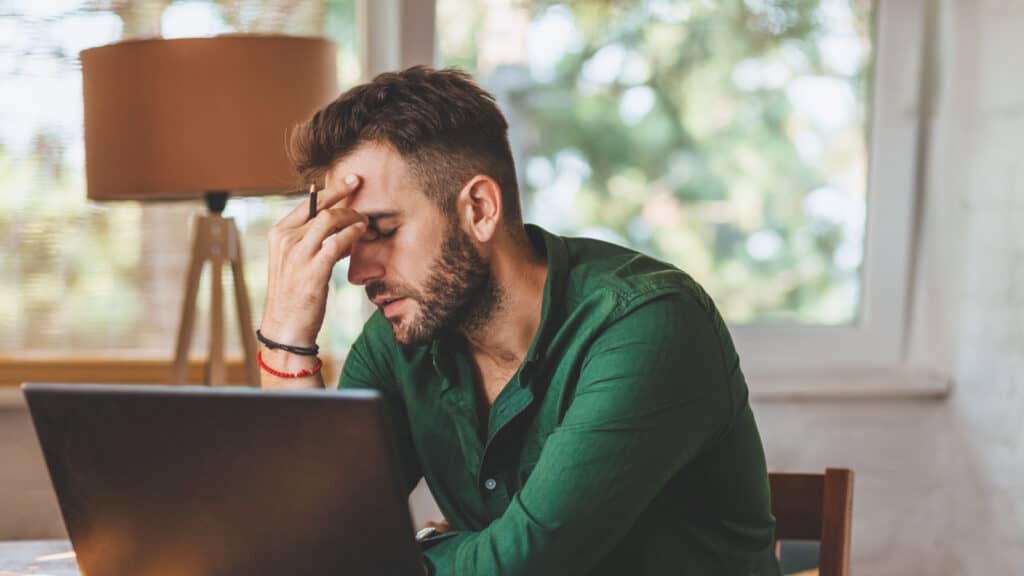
54, 558
42, 557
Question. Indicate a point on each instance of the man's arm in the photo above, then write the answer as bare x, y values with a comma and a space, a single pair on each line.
302, 254
653, 392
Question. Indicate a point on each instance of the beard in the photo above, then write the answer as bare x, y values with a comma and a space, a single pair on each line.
459, 294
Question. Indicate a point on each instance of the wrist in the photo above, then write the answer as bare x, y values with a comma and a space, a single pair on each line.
298, 374
290, 335
285, 361
313, 350
274, 363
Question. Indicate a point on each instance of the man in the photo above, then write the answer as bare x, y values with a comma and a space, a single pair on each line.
575, 407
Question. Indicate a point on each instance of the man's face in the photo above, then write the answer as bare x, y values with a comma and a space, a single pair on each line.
419, 268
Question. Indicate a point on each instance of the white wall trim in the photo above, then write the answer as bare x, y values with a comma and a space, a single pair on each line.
800, 385
850, 384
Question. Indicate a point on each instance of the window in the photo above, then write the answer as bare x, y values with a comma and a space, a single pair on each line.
753, 143
728, 138
768, 147
83, 277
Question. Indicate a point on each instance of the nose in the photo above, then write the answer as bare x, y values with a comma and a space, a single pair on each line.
365, 264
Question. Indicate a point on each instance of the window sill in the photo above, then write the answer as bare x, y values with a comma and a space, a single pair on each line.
109, 368
896, 383
881, 383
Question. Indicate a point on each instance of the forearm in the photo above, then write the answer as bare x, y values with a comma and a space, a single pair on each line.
304, 247
513, 545
577, 506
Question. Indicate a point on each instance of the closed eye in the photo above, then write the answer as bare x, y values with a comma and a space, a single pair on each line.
373, 233
382, 225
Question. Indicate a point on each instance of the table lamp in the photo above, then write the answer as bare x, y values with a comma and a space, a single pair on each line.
171, 119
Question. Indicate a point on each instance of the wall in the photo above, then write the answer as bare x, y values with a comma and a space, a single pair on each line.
940, 484
28, 509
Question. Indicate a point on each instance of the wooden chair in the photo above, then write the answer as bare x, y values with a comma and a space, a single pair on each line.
816, 507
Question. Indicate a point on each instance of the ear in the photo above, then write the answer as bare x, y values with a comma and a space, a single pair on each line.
479, 208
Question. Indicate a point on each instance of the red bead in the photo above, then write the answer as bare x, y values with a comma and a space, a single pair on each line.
300, 374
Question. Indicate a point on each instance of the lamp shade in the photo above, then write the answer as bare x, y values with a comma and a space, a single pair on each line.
173, 119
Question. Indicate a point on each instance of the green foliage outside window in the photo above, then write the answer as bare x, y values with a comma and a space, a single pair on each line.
728, 138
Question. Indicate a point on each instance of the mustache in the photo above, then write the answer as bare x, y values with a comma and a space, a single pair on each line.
377, 288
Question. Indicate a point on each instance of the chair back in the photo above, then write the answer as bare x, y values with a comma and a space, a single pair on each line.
816, 507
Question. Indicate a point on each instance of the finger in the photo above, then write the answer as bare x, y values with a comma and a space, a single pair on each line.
327, 223
299, 215
326, 198
329, 197
339, 245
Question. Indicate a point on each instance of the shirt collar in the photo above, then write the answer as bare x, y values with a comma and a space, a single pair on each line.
553, 308
553, 249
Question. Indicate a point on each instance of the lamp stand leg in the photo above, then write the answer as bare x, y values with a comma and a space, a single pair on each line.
216, 240
179, 370
248, 337
214, 375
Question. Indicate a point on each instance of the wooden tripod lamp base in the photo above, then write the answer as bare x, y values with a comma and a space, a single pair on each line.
215, 240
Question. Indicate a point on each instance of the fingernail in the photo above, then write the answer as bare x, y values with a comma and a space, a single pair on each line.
351, 179
360, 225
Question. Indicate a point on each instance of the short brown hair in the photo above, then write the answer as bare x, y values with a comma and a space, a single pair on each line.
445, 126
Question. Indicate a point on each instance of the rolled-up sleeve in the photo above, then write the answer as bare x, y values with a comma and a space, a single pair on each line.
653, 391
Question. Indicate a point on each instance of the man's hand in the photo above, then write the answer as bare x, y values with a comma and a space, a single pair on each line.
302, 255
441, 526
430, 529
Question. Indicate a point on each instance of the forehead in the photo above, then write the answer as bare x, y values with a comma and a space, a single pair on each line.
387, 183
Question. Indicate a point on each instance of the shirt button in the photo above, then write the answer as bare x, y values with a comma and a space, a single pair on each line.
490, 484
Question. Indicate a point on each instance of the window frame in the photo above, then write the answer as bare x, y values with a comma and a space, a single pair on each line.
876, 339
868, 357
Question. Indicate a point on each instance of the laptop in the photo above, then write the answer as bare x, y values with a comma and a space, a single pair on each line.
205, 481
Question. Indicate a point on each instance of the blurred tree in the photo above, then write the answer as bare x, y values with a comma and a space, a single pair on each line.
695, 131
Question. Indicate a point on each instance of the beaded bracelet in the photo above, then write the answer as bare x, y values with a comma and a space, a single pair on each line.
300, 374
300, 350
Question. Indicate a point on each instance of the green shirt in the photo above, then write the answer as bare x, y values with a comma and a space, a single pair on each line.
624, 444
